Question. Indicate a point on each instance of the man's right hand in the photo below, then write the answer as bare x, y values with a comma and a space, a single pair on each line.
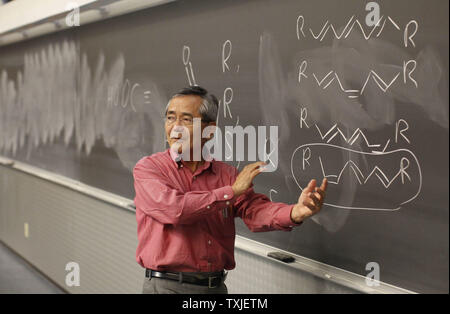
246, 176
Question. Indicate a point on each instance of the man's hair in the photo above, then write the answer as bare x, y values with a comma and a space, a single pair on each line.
208, 109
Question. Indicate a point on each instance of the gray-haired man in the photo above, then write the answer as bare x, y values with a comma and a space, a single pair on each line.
185, 209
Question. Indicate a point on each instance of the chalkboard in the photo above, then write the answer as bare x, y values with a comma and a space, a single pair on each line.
358, 97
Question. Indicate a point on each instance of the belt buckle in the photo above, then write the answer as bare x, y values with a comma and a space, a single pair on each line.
209, 281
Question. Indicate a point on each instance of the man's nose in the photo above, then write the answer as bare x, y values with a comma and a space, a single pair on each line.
179, 131
178, 127
178, 122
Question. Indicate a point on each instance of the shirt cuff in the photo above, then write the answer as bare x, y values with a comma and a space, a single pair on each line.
284, 217
224, 194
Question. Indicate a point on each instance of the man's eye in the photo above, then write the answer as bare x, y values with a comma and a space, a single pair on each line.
170, 118
188, 120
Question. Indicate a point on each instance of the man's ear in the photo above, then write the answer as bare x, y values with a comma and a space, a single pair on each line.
212, 134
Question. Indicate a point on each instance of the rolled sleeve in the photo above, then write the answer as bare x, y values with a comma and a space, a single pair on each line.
283, 216
224, 194
260, 214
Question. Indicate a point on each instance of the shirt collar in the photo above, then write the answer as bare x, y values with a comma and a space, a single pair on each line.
176, 158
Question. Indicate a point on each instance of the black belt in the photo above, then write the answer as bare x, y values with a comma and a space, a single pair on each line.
212, 280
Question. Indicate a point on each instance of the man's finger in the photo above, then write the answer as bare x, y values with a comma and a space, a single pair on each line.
254, 166
321, 193
315, 199
309, 205
258, 164
311, 186
324, 185
254, 173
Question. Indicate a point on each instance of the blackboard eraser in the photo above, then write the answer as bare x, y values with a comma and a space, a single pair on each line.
286, 258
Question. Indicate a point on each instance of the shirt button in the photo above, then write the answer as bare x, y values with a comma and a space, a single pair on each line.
209, 242
181, 166
225, 196
208, 206
228, 203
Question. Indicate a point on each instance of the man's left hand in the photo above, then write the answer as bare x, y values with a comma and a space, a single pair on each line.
310, 201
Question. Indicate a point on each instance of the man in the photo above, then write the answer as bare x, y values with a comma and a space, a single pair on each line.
185, 208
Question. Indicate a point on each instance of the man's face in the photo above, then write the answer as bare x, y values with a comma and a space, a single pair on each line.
180, 117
